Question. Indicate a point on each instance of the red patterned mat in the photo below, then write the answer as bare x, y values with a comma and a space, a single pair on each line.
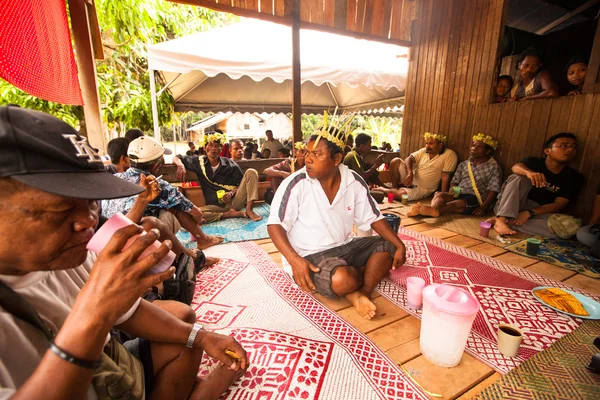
298, 348
503, 291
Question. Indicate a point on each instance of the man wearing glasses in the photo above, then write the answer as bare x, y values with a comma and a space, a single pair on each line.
538, 188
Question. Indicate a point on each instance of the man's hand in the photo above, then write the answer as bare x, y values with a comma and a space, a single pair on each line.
228, 196
521, 219
479, 211
301, 269
152, 188
399, 257
379, 161
407, 182
284, 174
537, 179
118, 278
181, 173
215, 346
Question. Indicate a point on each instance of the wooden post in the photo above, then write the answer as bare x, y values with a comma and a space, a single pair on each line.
86, 68
296, 77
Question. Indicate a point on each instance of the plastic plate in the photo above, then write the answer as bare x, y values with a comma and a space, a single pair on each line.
591, 306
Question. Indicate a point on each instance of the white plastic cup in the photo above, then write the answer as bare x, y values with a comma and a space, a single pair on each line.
414, 292
99, 241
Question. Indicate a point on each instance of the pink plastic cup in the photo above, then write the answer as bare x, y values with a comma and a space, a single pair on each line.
414, 292
484, 229
116, 222
390, 197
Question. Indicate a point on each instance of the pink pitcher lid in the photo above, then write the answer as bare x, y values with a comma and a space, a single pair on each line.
450, 299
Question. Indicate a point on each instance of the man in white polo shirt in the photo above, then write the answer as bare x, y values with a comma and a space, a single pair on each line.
420, 174
311, 222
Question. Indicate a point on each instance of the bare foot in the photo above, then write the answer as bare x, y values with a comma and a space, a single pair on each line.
233, 214
430, 211
206, 241
500, 226
414, 210
252, 215
215, 384
211, 261
362, 304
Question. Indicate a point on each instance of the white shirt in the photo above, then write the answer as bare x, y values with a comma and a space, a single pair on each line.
302, 208
273, 145
52, 294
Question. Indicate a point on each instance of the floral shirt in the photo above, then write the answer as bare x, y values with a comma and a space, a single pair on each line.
169, 197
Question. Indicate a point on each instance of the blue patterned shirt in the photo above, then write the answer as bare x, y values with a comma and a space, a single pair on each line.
488, 177
169, 197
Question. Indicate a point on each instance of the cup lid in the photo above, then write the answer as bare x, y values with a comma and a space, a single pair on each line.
450, 299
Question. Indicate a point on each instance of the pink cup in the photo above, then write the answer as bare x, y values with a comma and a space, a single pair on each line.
390, 197
484, 229
414, 292
116, 222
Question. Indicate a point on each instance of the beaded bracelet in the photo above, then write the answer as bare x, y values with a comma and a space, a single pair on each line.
72, 359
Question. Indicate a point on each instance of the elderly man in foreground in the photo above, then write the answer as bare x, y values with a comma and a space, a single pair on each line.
59, 301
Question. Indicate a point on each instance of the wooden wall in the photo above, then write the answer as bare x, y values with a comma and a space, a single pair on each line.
453, 65
373, 19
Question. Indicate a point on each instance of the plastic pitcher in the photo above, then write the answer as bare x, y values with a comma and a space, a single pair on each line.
448, 315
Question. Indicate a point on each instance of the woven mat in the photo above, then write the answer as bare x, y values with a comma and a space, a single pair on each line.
503, 291
466, 225
567, 254
298, 348
556, 373
234, 229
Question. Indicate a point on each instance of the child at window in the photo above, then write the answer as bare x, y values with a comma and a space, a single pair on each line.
503, 85
576, 69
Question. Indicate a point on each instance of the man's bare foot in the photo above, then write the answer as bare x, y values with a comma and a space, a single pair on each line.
215, 384
500, 226
252, 215
211, 261
233, 214
414, 210
430, 211
362, 304
206, 241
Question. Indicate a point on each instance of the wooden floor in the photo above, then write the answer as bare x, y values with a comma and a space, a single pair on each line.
397, 333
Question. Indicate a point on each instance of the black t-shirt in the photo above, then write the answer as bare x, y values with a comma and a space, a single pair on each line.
567, 183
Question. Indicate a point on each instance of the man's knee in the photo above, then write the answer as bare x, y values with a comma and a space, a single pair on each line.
345, 280
179, 310
251, 173
520, 180
153, 223
395, 163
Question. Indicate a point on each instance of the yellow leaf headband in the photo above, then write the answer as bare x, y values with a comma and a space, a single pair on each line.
335, 131
435, 136
480, 137
213, 137
300, 146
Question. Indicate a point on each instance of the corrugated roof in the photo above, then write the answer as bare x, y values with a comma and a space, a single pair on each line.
533, 15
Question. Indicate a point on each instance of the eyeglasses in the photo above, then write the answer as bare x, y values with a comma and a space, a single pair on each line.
565, 146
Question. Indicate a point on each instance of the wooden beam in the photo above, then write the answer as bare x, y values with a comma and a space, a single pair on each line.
288, 21
86, 70
296, 77
566, 17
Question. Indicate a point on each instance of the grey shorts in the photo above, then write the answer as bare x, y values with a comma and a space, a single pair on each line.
353, 254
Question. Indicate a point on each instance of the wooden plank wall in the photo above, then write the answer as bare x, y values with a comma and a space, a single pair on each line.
388, 19
454, 61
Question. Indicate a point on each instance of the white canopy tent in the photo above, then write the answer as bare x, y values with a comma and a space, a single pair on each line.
247, 67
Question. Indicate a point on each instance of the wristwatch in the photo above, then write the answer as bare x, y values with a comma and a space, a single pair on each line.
531, 213
193, 334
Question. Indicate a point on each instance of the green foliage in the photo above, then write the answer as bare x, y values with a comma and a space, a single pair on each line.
127, 27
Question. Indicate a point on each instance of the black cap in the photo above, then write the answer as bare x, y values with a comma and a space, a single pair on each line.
46, 153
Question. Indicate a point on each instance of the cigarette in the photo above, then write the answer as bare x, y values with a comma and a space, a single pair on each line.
233, 354
158, 177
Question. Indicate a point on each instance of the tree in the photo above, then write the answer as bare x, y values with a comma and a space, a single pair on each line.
127, 27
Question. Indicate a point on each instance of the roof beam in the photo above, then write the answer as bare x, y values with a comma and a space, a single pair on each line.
566, 17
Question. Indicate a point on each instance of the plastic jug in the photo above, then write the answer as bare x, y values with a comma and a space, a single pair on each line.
448, 315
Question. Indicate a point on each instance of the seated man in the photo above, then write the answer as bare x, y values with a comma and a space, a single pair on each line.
355, 161
479, 179
279, 172
117, 151
171, 206
64, 300
420, 174
237, 150
311, 223
219, 173
538, 188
